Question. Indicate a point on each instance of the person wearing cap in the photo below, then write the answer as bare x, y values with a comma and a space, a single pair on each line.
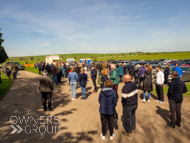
175, 96
46, 89
159, 84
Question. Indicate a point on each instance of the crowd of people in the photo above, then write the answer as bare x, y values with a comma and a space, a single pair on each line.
108, 77
10, 70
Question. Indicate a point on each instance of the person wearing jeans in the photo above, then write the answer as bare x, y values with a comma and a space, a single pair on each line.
147, 83
83, 81
54, 79
73, 77
73, 90
54, 72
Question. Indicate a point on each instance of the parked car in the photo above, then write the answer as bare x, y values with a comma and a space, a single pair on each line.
21, 67
186, 73
186, 64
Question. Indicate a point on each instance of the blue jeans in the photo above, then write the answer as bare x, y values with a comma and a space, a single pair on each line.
83, 89
144, 94
73, 89
99, 72
54, 78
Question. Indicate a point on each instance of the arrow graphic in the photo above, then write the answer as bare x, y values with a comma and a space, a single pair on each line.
14, 129
20, 129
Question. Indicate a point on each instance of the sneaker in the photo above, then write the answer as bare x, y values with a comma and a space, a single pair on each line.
111, 137
148, 101
134, 131
73, 98
143, 100
157, 100
103, 137
161, 102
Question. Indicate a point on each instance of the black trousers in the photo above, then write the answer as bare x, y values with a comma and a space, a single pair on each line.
66, 74
175, 110
94, 82
40, 72
14, 75
131, 74
166, 78
46, 96
140, 80
58, 78
129, 118
136, 80
107, 119
160, 93
120, 78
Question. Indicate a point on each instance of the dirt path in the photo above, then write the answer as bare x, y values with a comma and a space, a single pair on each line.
80, 119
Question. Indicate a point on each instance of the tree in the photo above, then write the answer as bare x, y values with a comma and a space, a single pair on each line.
3, 54
31, 58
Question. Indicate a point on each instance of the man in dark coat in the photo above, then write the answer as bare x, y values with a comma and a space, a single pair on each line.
14, 69
130, 68
83, 80
94, 76
129, 102
48, 68
54, 72
166, 74
175, 96
46, 89
40, 68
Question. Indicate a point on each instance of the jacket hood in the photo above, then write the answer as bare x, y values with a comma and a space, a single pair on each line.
148, 72
116, 69
108, 91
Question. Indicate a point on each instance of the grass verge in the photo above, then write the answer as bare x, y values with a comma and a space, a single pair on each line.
32, 69
5, 85
187, 94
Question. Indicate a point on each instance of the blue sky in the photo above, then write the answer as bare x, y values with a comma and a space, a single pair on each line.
43, 27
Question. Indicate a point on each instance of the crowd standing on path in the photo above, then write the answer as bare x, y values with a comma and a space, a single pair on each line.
109, 77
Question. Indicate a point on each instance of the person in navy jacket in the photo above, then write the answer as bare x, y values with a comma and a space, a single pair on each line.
108, 102
83, 81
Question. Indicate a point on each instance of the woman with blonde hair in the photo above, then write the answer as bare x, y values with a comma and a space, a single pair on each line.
73, 77
104, 77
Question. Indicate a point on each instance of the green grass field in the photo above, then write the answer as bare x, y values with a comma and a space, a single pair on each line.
187, 94
5, 85
32, 69
105, 57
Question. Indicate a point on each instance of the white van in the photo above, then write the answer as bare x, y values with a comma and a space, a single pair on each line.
70, 60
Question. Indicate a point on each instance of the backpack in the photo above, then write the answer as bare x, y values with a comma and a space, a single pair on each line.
8, 70
100, 80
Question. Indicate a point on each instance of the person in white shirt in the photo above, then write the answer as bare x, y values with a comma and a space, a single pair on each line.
159, 84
